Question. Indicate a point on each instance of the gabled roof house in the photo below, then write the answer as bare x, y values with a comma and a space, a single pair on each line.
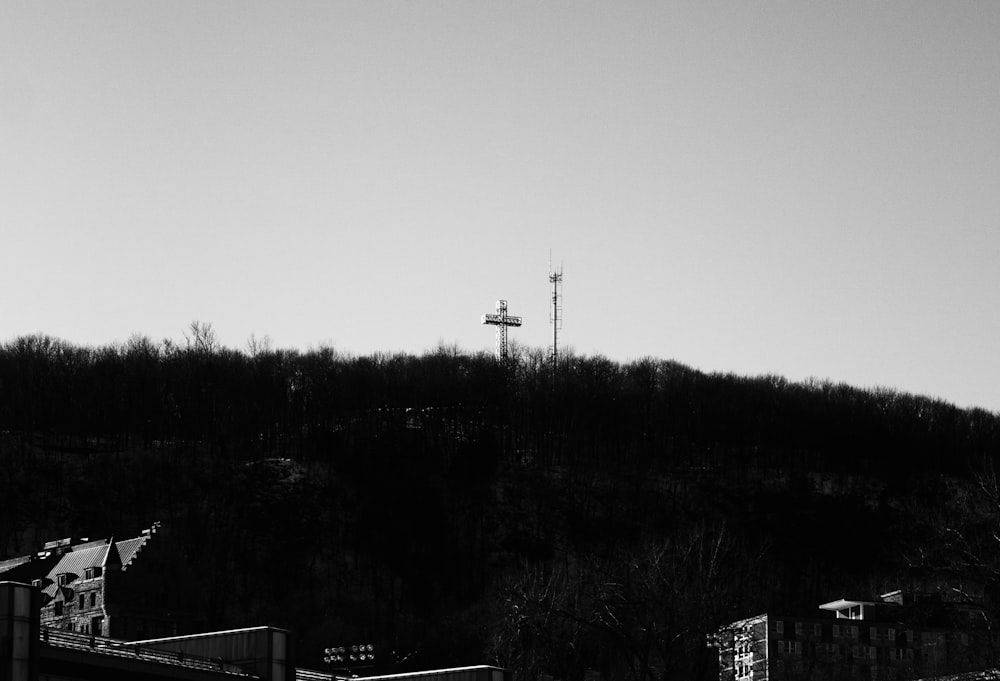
105, 587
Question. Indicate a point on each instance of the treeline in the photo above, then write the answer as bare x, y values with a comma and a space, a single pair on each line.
591, 411
597, 515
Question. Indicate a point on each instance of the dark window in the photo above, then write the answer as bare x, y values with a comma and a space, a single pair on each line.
93, 598
62, 579
81, 601
57, 608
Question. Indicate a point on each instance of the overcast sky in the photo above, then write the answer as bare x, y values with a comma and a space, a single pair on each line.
797, 188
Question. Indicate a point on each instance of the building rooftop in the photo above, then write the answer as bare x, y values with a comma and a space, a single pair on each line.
133, 650
844, 604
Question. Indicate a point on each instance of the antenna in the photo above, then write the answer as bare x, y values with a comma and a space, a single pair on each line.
555, 315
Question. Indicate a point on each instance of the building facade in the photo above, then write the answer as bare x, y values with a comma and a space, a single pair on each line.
107, 587
885, 639
31, 652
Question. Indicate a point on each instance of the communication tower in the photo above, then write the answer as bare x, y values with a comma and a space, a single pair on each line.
555, 314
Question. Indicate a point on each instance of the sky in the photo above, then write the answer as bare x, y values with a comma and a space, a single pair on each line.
807, 189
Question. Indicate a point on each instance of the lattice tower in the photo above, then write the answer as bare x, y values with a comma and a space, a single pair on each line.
501, 320
555, 313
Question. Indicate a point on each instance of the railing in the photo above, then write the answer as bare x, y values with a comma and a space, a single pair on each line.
118, 648
310, 675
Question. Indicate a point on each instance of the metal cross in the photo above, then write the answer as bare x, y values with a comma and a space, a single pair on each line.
501, 320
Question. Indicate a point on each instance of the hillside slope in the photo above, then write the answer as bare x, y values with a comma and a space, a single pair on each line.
605, 515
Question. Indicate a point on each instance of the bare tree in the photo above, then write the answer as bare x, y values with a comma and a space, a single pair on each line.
202, 338
640, 614
259, 346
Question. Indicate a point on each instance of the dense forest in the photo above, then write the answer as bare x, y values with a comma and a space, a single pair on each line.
593, 515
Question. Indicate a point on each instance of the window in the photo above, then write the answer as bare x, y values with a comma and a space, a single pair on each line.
37, 583
92, 572
798, 628
900, 654
81, 601
791, 647
57, 608
892, 634
62, 579
845, 631
818, 630
780, 627
93, 598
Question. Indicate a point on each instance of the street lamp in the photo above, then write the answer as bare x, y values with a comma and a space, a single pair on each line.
350, 657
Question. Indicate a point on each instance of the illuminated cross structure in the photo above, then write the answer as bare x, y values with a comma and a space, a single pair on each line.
501, 320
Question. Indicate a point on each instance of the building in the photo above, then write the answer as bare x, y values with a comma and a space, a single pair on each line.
108, 587
32, 652
895, 637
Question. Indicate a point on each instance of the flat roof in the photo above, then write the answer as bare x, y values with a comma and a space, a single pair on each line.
430, 672
841, 604
207, 634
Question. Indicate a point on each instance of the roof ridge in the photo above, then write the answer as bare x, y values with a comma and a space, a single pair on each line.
111, 555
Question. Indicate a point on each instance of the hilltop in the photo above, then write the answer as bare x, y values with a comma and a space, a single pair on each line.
458, 511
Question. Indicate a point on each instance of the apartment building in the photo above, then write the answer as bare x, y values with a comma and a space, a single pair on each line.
895, 637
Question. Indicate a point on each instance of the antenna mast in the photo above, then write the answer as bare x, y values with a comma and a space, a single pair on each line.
555, 316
